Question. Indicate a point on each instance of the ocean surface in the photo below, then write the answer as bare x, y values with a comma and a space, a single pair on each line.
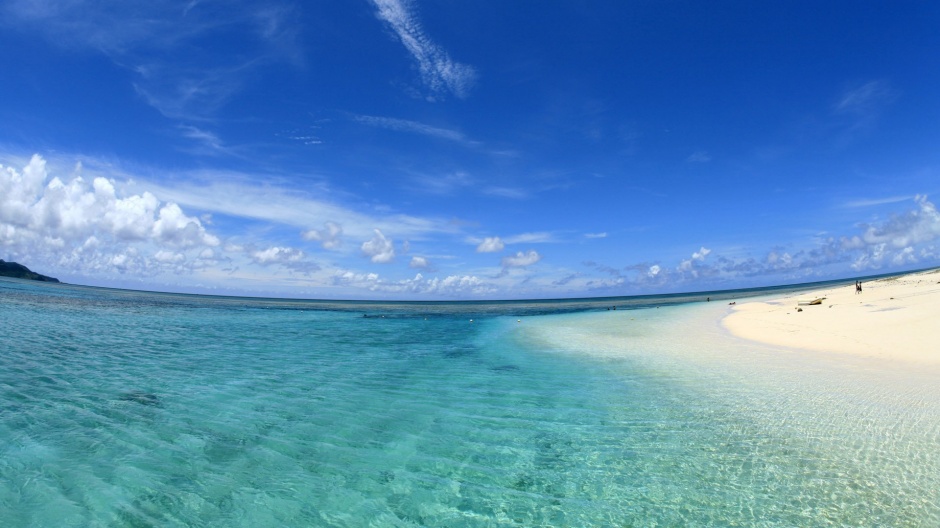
122, 408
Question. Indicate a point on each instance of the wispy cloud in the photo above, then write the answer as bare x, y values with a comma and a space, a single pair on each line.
870, 202
438, 71
506, 192
864, 99
444, 185
540, 237
699, 156
859, 108
404, 125
155, 40
495, 244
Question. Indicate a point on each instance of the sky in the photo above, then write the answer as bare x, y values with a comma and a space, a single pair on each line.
392, 149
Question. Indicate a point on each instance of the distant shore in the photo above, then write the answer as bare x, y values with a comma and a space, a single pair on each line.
894, 318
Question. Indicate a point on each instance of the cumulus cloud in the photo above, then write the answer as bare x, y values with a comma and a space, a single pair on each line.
521, 259
380, 249
451, 286
438, 71
90, 223
328, 237
902, 240
277, 255
419, 263
914, 227
698, 256
490, 245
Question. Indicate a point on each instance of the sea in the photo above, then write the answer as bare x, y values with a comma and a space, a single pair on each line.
124, 408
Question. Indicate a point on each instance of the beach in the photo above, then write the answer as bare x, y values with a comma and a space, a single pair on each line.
893, 319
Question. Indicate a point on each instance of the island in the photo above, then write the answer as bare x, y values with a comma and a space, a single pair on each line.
19, 271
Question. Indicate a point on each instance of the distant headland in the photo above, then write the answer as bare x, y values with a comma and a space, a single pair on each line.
19, 271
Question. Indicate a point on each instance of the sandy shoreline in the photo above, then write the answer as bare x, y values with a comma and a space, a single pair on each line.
895, 319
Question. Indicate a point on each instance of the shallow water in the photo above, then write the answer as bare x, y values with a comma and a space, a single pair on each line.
135, 409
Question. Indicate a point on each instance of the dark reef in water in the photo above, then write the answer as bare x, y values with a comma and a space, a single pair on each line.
143, 398
19, 271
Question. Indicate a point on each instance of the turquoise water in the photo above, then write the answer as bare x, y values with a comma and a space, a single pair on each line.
136, 409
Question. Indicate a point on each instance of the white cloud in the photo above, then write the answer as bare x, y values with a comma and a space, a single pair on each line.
540, 237
490, 245
68, 220
169, 257
277, 255
698, 256
404, 125
521, 259
701, 254
451, 286
868, 202
328, 237
595, 235
864, 99
653, 271
506, 192
231, 194
380, 249
438, 71
173, 227
419, 263
699, 156
914, 227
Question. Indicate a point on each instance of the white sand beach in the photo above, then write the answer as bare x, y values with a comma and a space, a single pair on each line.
894, 319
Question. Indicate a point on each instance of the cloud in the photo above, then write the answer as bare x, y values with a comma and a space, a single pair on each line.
864, 99
438, 72
689, 265
490, 245
914, 227
699, 156
595, 235
233, 194
451, 286
277, 255
858, 109
154, 42
209, 140
419, 263
404, 125
328, 237
380, 249
521, 259
77, 210
869, 202
444, 185
91, 226
531, 238
902, 240
506, 192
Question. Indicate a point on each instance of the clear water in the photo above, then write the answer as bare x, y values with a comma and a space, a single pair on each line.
135, 409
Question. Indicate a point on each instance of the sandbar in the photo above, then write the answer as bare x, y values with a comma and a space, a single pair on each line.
895, 319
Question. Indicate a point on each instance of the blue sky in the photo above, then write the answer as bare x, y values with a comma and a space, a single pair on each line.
463, 150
